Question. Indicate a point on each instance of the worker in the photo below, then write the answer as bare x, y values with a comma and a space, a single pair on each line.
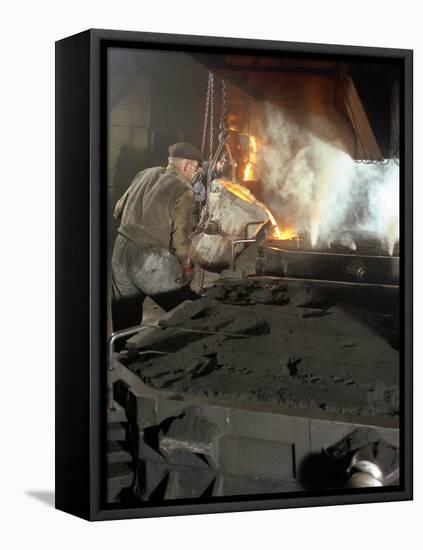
151, 252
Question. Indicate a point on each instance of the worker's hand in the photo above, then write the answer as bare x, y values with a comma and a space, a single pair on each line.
189, 272
187, 275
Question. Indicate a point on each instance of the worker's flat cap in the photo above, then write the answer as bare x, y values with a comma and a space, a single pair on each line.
185, 151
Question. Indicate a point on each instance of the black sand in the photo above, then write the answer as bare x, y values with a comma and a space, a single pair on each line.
296, 345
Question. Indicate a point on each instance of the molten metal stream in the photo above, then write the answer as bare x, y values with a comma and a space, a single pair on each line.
244, 194
275, 225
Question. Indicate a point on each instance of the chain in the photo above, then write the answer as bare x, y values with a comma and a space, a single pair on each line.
211, 116
224, 113
208, 121
206, 115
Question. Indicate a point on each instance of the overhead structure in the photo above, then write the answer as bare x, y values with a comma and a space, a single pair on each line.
319, 96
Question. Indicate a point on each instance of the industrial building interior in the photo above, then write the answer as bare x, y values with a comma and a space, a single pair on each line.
284, 376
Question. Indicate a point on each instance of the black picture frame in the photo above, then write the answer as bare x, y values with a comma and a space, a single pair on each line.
81, 273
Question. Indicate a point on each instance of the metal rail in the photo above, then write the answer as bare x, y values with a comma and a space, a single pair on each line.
233, 244
118, 335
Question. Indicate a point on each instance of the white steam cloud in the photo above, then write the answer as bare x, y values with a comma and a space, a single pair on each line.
320, 189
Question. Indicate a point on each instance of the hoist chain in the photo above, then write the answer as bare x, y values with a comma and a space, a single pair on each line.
206, 116
224, 121
209, 123
211, 116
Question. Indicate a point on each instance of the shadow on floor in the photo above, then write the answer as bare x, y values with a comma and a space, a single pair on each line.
46, 497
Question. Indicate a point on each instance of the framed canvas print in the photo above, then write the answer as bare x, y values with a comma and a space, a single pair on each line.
234, 274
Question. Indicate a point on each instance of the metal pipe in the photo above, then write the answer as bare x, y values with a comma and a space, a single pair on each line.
307, 264
247, 225
118, 335
233, 244
111, 347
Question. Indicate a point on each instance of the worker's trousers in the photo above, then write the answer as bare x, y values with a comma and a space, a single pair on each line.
139, 272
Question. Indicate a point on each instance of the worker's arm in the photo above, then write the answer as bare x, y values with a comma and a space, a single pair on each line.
182, 227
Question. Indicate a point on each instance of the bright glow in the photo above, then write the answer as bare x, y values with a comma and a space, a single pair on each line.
250, 168
285, 234
243, 193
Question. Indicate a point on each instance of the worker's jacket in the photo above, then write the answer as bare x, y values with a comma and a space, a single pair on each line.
156, 211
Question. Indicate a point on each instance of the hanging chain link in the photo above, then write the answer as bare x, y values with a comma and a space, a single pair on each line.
208, 121
206, 115
211, 116
224, 122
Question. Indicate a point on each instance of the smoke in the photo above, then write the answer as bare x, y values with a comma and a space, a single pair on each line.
321, 190
382, 215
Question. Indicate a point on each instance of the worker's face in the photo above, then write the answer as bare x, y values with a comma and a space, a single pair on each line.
191, 170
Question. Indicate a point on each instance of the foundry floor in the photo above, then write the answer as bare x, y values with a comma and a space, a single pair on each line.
267, 342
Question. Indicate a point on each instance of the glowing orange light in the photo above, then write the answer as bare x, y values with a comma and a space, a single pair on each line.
239, 191
243, 193
277, 233
249, 171
288, 233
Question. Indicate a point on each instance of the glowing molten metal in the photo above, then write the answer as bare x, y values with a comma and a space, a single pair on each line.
243, 193
249, 172
287, 233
